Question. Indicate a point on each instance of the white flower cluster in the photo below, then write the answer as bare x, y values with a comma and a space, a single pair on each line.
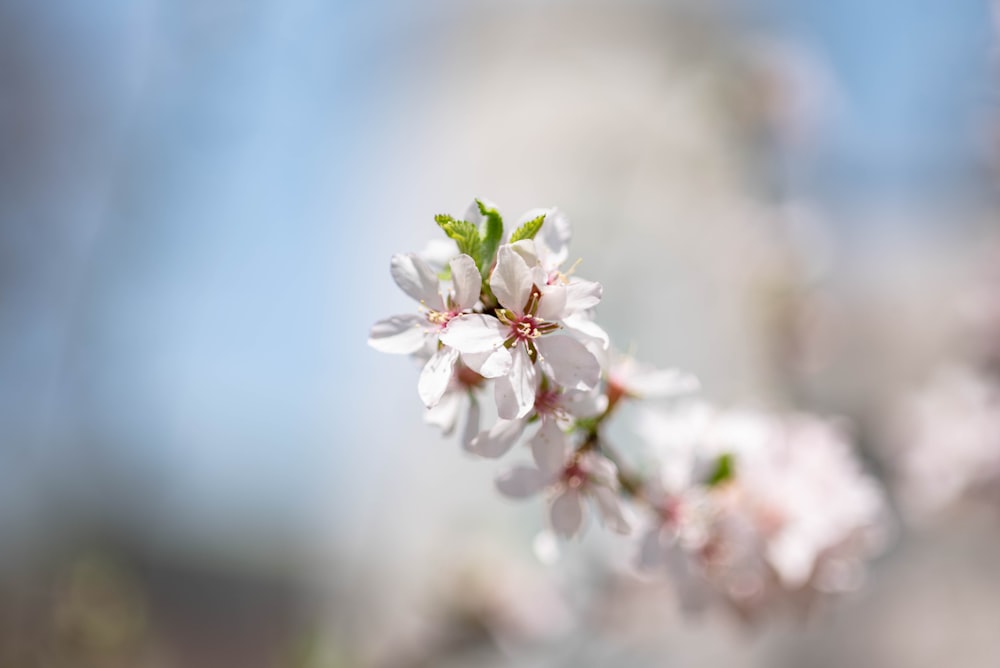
947, 441
746, 507
796, 515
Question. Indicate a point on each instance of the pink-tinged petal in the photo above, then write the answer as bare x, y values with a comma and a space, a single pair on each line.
474, 333
445, 414
586, 329
549, 447
402, 334
511, 280
416, 278
610, 509
466, 280
566, 513
471, 421
498, 440
491, 364
521, 482
569, 362
515, 392
582, 295
436, 375
600, 470
552, 305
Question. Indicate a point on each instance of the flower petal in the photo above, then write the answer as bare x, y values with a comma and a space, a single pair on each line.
471, 421
498, 440
466, 280
402, 334
582, 295
416, 278
511, 280
445, 414
569, 362
521, 482
610, 509
515, 392
436, 375
566, 513
549, 447
474, 333
491, 364
552, 305
586, 329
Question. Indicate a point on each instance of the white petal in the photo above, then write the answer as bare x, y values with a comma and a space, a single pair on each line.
402, 334
526, 249
552, 305
436, 375
474, 333
471, 421
521, 482
586, 329
554, 237
600, 469
582, 295
445, 414
661, 383
569, 362
416, 278
498, 440
511, 280
466, 280
491, 364
610, 509
515, 392
549, 447
566, 513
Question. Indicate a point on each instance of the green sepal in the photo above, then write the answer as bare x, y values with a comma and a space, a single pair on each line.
465, 235
724, 470
528, 230
490, 235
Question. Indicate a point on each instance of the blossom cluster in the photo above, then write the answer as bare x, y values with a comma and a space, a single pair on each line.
744, 507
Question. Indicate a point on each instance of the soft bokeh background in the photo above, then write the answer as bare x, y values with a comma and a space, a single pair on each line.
201, 462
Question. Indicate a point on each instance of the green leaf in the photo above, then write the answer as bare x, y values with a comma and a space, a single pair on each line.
465, 235
490, 234
528, 230
724, 470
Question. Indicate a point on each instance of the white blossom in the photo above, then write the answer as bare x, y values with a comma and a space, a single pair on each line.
526, 331
569, 477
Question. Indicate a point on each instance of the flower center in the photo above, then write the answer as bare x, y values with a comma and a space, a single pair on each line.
525, 328
573, 476
439, 318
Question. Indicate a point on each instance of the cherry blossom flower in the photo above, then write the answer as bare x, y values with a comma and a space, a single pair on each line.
422, 332
569, 477
459, 397
629, 378
525, 328
946, 439
795, 515
554, 408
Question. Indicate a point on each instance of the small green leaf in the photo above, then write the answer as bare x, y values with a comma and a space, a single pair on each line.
465, 235
490, 234
528, 230
723, 470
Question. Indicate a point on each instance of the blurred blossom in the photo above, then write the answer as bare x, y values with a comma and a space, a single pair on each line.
945, 441
795, 516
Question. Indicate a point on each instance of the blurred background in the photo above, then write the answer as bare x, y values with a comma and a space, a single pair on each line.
202, 463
